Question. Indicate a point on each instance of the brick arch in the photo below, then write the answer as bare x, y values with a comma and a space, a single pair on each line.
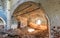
33, 10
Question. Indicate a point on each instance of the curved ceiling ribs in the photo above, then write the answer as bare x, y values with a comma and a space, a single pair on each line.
27, 7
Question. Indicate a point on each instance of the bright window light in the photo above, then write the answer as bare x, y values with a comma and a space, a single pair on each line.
38, 22
31, 30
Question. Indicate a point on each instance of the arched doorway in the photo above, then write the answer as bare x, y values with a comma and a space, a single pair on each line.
32, 20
